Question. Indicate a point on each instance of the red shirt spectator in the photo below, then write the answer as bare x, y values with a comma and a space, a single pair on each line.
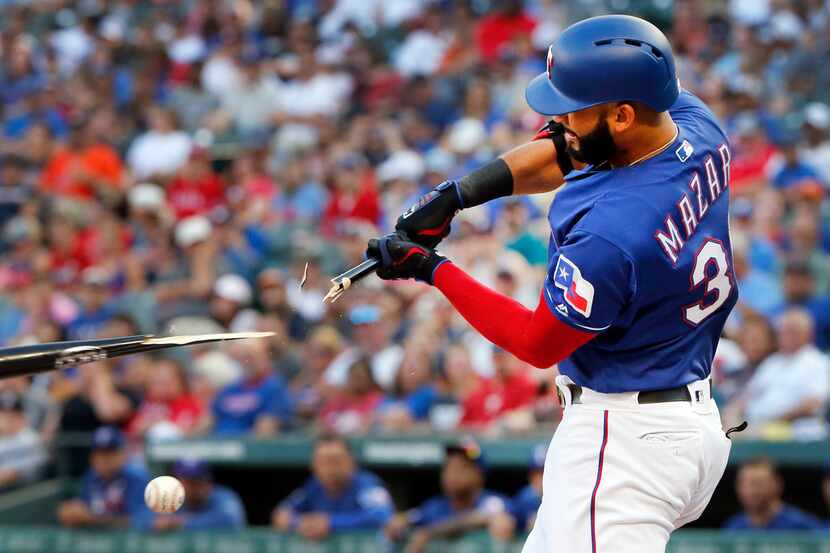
76, 173
168, 405
196, 189
353, 410
499, 28
511, 388
354, 196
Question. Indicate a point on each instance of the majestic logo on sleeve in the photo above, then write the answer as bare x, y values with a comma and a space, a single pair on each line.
579, 293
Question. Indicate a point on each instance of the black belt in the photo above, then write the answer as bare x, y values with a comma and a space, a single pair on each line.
681, 393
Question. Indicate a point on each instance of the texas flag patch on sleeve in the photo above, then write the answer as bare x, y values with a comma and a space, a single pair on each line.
578, 292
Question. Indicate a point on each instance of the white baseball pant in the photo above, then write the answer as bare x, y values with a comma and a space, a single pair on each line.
620, 476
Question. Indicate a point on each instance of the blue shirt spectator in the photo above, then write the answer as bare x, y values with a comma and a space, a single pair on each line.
112, 493
362, 503
786, 518
464, 505
237, 408
338, 497
524, 505
440, 508
759, 488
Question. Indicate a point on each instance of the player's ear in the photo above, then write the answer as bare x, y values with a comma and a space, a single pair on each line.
622, 117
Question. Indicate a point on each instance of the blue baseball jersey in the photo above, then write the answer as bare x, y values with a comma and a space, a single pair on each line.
439, 509
120, 496
223, 510
363, 504
641, 256
524, 506
787, 518
238, 406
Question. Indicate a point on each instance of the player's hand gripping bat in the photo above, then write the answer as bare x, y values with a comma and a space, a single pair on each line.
24, 360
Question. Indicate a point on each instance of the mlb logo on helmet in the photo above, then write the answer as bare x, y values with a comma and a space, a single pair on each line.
579, 293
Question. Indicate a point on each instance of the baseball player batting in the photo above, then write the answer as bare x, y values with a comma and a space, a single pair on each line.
638, 287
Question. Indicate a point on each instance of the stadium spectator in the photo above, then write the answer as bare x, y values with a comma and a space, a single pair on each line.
338, 497
799, 284
760, 488
510, 389
464, 506
259, 402
372, 335
523, 506
92, 398
86, 167
414, 393
112, 493
22, 455
207, 506
776, 392
351, 409
195, 189
160, 151
736, 362
168, 409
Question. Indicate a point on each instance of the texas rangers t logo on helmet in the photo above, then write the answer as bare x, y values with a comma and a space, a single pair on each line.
550, 63
579, 293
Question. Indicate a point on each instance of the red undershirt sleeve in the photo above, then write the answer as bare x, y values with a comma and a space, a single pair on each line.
537, 336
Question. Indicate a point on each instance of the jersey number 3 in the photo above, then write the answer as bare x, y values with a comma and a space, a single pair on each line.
718, 281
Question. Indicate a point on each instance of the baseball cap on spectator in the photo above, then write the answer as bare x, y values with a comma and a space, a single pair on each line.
192, 469
817, 115
439, 161
107, 438
217, 367
192, 230
401, 165
537, 458
353, 227
95, 276
19, 229
364, 314
784, 26
233, 288
146, 196
741, 208
10, 401
466, 135
468, 448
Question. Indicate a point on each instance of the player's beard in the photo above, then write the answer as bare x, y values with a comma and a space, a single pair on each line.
595, 147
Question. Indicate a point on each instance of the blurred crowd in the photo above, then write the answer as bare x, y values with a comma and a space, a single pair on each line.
179, 167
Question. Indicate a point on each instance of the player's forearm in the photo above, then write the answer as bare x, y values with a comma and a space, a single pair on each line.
535, 337
527, 169
534, 167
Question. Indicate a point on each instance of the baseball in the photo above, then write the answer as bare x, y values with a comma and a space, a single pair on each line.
164, 494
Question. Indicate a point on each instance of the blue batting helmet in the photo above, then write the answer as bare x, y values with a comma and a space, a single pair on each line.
610, 58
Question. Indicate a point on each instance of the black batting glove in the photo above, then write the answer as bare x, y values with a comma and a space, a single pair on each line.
428, 221
401, 258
